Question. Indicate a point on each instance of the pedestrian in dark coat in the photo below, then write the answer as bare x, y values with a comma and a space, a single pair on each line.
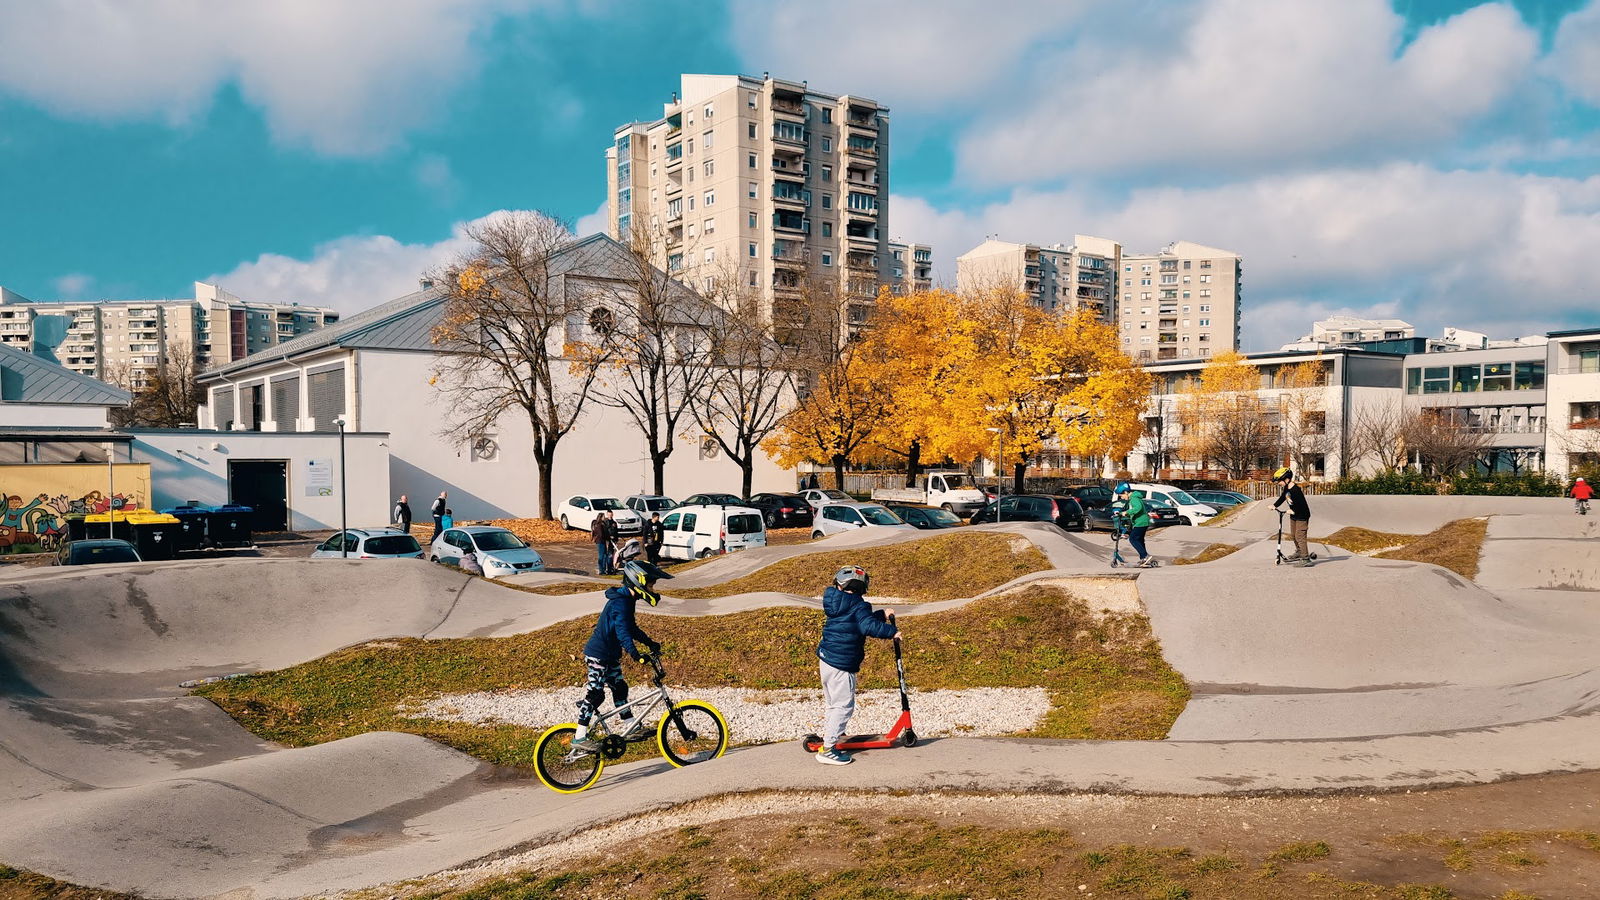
402, 514
438, 515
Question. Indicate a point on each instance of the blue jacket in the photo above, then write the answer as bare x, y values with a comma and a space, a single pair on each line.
851, 620
616, 631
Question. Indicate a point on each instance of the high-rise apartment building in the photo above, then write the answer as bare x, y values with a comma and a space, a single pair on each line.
1058, 278
761, 180
1180, 302
911, 267
125, 340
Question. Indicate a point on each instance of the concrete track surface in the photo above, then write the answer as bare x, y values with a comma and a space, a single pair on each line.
1354, 674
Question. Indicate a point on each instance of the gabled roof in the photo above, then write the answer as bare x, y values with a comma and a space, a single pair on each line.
406, 323
25, 378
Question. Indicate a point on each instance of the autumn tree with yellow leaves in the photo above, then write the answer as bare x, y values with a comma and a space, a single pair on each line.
1225, 419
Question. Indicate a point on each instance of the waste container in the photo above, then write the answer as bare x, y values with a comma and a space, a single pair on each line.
76, 527
156, 535
229, 526
191, 525
99, 526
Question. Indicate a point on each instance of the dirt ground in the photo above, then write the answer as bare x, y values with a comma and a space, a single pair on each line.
1531, 838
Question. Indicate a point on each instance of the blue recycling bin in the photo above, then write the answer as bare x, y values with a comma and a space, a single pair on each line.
191, 530
229, 526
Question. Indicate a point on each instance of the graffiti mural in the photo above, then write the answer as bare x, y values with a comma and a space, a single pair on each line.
35, 519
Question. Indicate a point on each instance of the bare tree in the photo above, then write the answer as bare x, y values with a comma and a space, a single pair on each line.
1379, 434
516, 334
1444, 441
658, 351
1304, 414
169, 396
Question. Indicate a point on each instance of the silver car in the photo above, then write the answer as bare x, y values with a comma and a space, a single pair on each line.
645, 504
499, 551
369, 543
834, 518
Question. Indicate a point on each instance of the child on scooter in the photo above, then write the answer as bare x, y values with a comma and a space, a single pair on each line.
851, 620
1581, 493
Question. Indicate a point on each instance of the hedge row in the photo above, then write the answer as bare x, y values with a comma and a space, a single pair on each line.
1526, 484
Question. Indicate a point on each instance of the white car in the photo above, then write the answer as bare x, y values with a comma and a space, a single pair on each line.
579, 510
834, 518
645, 504
696, 532
1190, 510
818, 497
369, 543
499, 551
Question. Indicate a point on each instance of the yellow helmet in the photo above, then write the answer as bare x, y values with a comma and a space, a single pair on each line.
1283, 473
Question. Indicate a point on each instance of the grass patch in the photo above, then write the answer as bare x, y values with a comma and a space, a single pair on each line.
1226, 515
1105, 673
946, 567
1301, 851
560, 588
17, 884
1364, 540
913, 859
1215, 551
1455, 546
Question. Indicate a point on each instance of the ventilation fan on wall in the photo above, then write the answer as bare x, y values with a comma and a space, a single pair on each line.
485, 448
708, 447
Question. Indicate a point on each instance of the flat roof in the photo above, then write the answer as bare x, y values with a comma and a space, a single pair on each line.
1576, 332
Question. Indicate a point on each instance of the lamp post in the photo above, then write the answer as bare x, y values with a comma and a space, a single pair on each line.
344, 544
111, 488
999, 473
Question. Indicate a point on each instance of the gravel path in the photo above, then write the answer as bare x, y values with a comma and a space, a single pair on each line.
763, 717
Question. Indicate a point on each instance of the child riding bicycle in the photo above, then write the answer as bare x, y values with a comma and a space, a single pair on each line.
615, 632
1581, 494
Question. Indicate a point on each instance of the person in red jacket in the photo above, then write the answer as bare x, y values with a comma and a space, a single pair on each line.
1581, 492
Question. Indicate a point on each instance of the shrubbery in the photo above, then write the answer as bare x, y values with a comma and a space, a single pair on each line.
1526, 484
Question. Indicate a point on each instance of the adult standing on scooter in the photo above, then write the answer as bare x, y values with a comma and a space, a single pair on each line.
1581, 494
1299, 515
1137, 516
851, 620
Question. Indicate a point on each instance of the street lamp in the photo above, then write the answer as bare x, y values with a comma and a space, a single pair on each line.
999, 473
111, 488
344, 542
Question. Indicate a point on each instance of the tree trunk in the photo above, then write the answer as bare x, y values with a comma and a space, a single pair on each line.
1017, 477
913, 463
658, 471
747, 467
838, 470
546, 463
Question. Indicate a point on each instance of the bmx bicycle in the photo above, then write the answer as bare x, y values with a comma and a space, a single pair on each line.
689, 731
1582, 506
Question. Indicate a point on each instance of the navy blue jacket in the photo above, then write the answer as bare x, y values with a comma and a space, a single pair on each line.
851, 620
616, 631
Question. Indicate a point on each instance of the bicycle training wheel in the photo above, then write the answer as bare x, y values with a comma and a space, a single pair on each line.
561, 768
697, 733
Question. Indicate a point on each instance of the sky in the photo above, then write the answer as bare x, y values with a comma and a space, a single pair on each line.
1435, 160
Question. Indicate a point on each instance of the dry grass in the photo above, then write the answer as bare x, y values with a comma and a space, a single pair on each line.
1226, 515
1455, 546
1365, 540
16, 884
540, 531
1215, 551
1105, 673
562, 588
946, 567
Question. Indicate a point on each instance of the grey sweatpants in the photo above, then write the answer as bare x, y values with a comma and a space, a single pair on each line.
839, 692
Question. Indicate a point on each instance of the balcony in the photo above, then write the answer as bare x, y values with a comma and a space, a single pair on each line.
861, 117
789, 104
862, 148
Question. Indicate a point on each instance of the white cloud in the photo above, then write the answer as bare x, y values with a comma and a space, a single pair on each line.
350, 77
1495, 251
595, 222
1575, 56
1252, 82
904, 55
72, 286
432, 171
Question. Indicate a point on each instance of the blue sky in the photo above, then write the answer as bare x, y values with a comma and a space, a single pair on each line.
1432, 159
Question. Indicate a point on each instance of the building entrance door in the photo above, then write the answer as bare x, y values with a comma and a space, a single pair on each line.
262, 485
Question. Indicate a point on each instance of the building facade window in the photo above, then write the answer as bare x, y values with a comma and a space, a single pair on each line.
827, 258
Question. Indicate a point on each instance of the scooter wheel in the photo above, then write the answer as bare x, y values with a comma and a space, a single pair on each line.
812, 742
909, 738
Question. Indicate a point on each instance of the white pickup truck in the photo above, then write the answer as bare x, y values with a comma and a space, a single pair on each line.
952, 490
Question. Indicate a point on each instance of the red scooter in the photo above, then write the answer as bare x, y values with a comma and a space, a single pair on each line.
900, 732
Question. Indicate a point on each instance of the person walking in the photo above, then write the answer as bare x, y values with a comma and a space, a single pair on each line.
602, 546
437, 511
1299, 515
1581, 494
612, 538
402, 514
655, 534
1136, 515
851, 620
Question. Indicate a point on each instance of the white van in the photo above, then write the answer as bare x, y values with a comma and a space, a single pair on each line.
1190, 510
696, 532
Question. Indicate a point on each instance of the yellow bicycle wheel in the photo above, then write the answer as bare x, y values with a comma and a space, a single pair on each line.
560, 767
695, 733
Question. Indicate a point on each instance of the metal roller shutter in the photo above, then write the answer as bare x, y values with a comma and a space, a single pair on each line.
286, 402
224, 410
326, 394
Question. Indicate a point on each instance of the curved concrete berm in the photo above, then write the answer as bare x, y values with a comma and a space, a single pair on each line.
1356, 673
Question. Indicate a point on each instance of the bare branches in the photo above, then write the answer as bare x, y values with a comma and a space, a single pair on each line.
169, 397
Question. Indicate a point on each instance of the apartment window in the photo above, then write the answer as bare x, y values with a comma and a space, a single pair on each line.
1145, 339
1497, 376
1127, 282
827, 229
1186, 307
827, 201
1530, 376
711, 254
1467, 379
1588, 361
690, 230
1205, 263
691, 203
1436, 380
827, 258
1188, 278
710, 283
1144, 295
788, 131
1185, 295
1205, 279
752, 131
1205, 307
1169, 279
708, 111
750, 100
1144, 310
754, 190
827, 116
1413, 381
752, 246
711, 198
710, 226
706, 140
1186, 262
1204, 323
827, 173
752, 222
1204, 338
899, 272
1144, 282
752, 158
752, 276
688, 146
691, 174
827, 145
710, 168
1145, 268
1205, 292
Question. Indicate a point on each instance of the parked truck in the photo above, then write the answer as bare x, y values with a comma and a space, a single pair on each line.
955, 491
